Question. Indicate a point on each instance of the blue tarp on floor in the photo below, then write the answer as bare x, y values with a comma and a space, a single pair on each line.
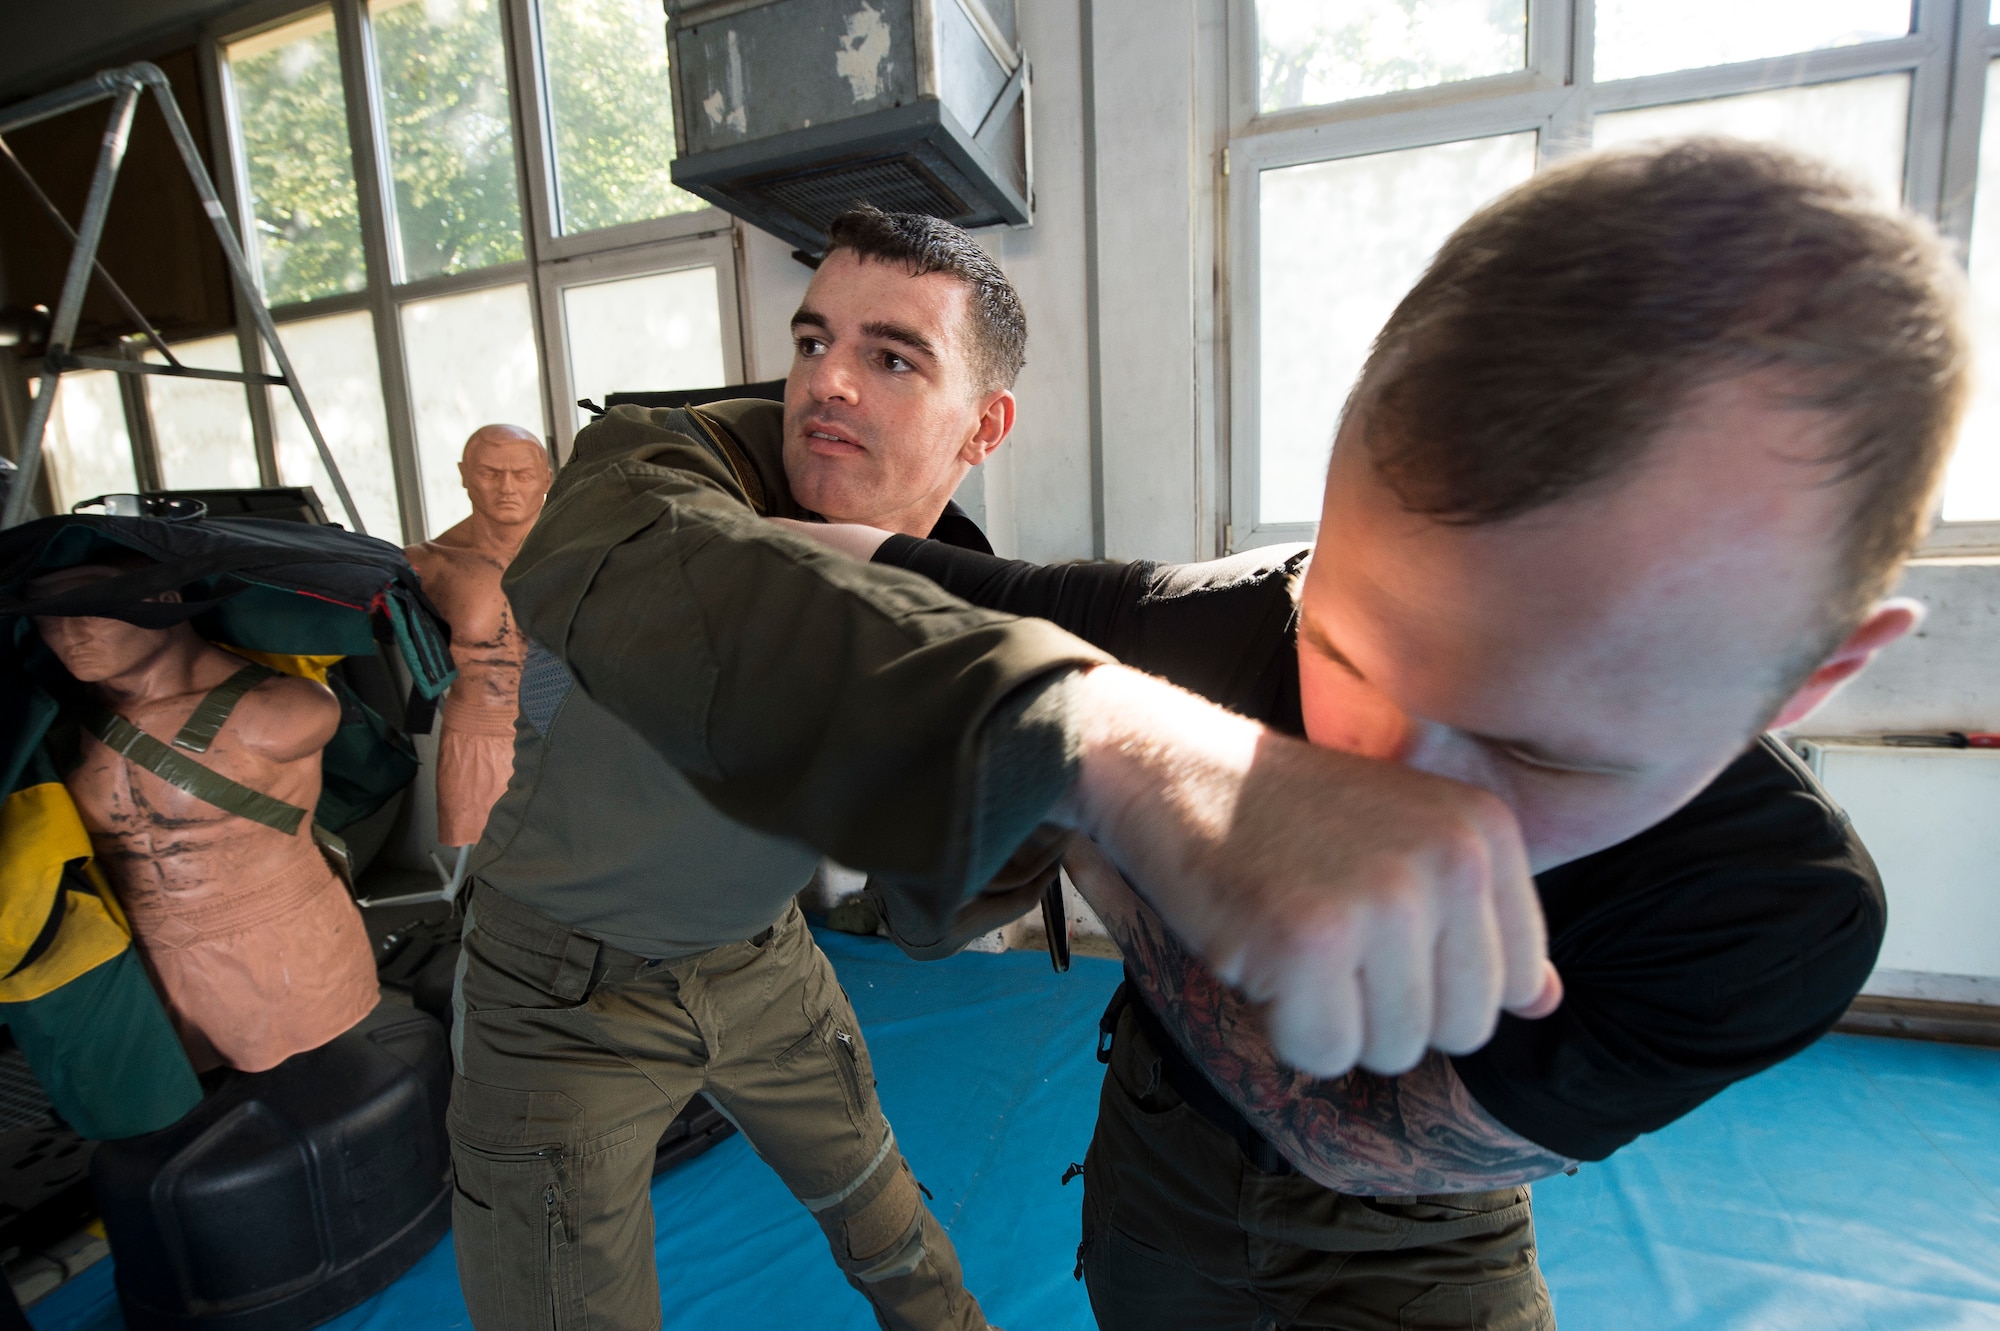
1857, 1186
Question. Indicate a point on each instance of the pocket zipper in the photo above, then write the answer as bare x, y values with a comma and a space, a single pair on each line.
852, 1073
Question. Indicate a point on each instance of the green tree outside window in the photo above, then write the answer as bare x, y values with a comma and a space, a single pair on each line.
291, 119
610, 112
451, 142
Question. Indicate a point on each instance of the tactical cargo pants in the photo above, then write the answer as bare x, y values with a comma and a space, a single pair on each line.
574, 1056
1181, 1232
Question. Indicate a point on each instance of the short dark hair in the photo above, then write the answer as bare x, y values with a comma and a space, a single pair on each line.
1559, 328
930, 245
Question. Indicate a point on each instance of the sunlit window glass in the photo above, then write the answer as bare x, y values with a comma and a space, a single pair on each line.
1859, 125
202, 426
86, 447
471, 360
1340, 243
335, 360
1972, 486
290, 120
1311, 52
610, 112
651, 333
451, 142
1636, 37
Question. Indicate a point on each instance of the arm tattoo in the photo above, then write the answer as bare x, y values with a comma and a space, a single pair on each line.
1421, 1132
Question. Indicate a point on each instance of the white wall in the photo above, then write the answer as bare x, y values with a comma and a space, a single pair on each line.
1945, 677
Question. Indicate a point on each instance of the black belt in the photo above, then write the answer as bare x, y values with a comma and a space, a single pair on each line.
1188, 1080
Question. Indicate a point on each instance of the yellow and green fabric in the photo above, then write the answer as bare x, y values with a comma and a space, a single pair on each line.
72, 990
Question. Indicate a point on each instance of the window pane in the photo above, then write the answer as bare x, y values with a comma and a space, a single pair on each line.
451, 142
610, 112
335, 361
202, 426
1318, 51
1858, 126
286, 105
1637, 37
651, 333
87, 450
471, 361
1340, 244
1972, 485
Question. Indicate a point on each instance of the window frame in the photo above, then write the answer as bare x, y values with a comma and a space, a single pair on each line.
706, 250
706, 236
1555, 96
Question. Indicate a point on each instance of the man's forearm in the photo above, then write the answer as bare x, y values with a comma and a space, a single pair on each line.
1361, 1133
1377, 911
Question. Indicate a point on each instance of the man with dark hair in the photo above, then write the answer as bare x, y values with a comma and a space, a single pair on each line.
709, 704
604, 880
1620, 488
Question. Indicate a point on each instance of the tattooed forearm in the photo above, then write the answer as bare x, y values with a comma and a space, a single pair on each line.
1421, 1132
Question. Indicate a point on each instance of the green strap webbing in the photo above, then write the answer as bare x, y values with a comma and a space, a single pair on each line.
216, 705
183, 773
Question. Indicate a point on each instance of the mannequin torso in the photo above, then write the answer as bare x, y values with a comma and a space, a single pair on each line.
158, 842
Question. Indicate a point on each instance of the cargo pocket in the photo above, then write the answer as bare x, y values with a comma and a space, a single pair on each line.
1519, 1302
513, 1223
832, 1046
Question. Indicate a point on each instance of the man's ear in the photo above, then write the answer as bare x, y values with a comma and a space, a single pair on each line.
1886, 623
996, 420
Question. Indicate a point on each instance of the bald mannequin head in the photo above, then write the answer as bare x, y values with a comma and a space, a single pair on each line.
506, 474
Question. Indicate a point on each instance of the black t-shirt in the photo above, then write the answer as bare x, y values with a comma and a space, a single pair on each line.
1700, 952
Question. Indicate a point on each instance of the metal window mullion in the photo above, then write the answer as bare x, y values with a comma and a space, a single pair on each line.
1245, 354
1930, 102
1513, 114
1973, 50
534, 176
1834, 65
368, 148
1571, 23
233, 187
146, 472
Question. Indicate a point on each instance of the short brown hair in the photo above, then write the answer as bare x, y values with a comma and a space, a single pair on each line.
929, 245
1558, 329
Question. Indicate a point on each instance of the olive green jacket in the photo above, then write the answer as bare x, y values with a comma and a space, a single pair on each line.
822, 705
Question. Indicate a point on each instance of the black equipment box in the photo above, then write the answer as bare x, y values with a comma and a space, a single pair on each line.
788, 112
287, 1196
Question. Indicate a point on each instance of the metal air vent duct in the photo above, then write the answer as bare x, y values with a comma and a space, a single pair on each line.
787, 112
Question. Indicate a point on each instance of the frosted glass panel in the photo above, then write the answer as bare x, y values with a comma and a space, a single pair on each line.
611, 116
86, 449
1636, 37
335, 360
1341, 242
450, 133
471, 360
1859, 125
1315, 51
1972, 486
202, 426
651, 333
290, 115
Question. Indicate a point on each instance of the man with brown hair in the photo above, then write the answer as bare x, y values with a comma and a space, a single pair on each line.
1621, 487
709, 704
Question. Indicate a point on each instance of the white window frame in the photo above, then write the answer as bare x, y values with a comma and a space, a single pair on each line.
1945, 55
706, 236
714, 250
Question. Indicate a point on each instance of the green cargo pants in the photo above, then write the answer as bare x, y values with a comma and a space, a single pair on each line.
574, 1056
1181, 1231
